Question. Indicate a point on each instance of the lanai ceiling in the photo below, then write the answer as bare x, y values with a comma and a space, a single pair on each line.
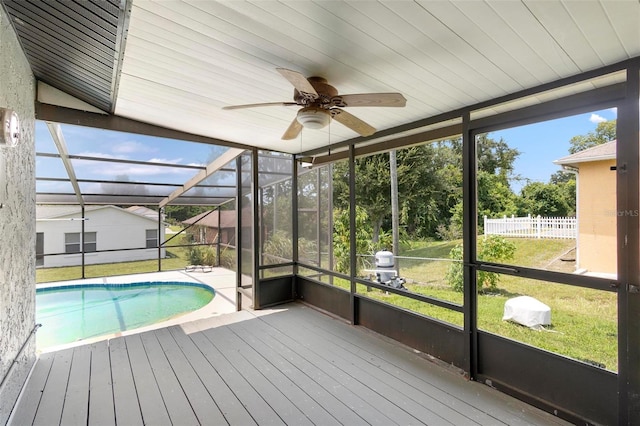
176, 64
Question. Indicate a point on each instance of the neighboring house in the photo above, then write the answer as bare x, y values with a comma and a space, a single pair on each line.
595, 207
208, 225
58, 235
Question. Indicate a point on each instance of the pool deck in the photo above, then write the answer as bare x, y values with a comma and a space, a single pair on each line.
288, 365
223, 281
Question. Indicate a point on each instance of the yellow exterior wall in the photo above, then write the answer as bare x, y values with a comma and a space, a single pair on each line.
597, 215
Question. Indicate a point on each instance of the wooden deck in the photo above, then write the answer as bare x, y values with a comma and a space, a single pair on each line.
292, 366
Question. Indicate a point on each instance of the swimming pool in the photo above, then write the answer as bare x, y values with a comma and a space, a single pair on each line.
78, 312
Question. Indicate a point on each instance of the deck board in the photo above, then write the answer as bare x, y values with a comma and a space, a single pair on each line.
291, 365
411, 399
283, 378
76, 400
338, 410
358, 397
421, 398
255, 404
201, 401
175, 400
125, 396
236, 352
151, 402
52, 402
30, 399
227, 401
101, 408
458, 395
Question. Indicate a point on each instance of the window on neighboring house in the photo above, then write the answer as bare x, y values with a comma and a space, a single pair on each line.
152, 238
72, 242
39, 248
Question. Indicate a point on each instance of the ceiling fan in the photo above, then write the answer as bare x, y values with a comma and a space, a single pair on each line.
321, 102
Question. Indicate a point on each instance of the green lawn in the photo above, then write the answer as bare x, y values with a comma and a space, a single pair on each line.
584, 321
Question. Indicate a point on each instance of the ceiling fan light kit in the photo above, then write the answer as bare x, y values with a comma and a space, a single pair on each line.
314, 118
321, 102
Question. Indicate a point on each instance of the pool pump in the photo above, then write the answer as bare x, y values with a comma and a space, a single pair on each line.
385, 270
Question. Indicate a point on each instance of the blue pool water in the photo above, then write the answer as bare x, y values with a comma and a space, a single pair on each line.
72, 313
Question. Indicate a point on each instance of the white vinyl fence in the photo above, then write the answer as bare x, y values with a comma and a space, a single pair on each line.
532, 227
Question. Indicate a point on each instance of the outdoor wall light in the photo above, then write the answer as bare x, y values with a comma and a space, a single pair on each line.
10, 135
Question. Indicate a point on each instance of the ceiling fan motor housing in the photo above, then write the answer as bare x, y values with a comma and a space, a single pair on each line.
325, 91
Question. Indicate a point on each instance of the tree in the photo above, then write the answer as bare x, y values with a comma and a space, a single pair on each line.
544, 199
605, 132
495, 156
566, 182
342, 239
429, 185
494, 174
180, 213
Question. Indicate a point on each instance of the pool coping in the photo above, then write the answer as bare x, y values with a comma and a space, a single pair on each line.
221, 281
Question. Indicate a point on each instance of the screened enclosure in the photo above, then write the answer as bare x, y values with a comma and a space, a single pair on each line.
308, 227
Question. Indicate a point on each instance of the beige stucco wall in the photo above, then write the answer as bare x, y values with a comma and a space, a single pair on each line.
17, 223
597, 250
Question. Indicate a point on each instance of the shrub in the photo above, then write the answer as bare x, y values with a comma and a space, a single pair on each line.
452, 231
277, 247
210, 256
228, 259
492, 248
195, 255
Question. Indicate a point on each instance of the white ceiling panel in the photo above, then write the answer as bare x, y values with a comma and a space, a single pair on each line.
184, 61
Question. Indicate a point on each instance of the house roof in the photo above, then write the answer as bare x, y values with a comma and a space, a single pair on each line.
48, 211
210, 219
143, 211
605, 151
176, 64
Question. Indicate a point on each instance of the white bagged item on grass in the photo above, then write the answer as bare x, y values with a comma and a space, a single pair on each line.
527, 311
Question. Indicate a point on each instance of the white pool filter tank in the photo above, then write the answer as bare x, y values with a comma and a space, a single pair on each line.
384, 262
385, 270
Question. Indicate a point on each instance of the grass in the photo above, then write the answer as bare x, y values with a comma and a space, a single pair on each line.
584, 321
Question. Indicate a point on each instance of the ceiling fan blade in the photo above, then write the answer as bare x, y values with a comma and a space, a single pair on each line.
352, 122
260, 105
374, 100
293, 131
300, 82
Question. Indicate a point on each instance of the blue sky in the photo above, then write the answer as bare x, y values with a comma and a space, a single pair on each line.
91, 142
539, 145
542, 143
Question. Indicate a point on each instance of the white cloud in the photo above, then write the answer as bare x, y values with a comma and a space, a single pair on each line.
165, 161
89, 169
595, 118
101, 155
129, 147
